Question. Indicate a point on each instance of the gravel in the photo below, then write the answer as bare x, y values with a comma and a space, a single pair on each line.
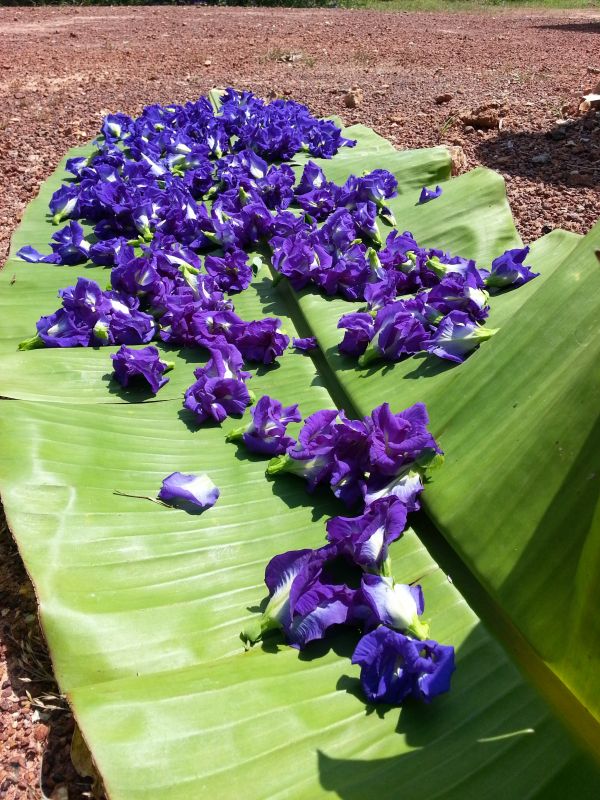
415, 78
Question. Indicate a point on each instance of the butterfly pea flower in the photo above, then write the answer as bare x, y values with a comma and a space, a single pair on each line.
280, 574
443, 264
350, 459
457, 336
63, 203
311, 457
394, 666
231, 273
260, 340
460, 293
399, 330
399, 441
76, 165
382, 292
136, 277
406, 487
365, 218
299, 257
266, 433
396, 605
360, 329
225, 361
117, 127
366, 538
108, 252
339, 232
319, 203
304, 602
61, 329
324, 139
216, 398
142, 217
348, 274
69, 247
145, 363
220, 389
429, 194
89, 317
188, 492
509, 270
306, 344
312, 178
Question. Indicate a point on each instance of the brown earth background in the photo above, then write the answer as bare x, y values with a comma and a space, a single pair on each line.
409, 76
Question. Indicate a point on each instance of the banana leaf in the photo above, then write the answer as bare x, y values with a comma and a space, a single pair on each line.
142, 605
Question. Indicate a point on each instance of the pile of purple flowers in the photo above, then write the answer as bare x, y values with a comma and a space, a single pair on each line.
160, 190
380, 462
177, 199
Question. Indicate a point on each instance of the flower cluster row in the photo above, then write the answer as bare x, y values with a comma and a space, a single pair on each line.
380, 459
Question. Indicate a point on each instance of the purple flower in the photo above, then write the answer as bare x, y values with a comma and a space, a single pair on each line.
69, 247
143, 363
304, 602
309, 343
90, 316
266, 434
509, 270
394, 666
225, 362
456, 336
360, 329
399, 331
109, 252
406, 487
396, 605
398, 440
61, 329
457, 292
299, 257
365, 219
216, 398
261, 340
231, 273
188, 492
312, 178
350, 459
63, 203
429, 194
366, 538
312, 456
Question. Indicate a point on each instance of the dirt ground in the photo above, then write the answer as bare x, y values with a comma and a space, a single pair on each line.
62, 69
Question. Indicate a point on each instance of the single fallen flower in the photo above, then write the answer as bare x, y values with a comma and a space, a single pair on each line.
188, 492
429, 194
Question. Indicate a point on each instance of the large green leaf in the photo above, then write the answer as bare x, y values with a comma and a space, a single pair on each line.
142, 605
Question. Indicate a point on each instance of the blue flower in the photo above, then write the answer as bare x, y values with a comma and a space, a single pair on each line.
429, 194
394, 666
509, 270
